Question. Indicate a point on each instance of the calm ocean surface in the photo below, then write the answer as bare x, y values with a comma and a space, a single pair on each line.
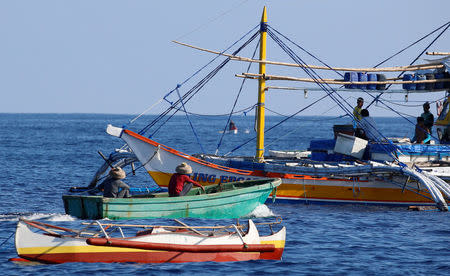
44, 154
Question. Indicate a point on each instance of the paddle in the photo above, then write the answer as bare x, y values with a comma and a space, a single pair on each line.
106, 159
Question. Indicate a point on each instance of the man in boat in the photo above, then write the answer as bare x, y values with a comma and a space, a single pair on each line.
370, 127
232, 126
428, 117
180, 183
421, 135
114, 186
357, 114
357, 109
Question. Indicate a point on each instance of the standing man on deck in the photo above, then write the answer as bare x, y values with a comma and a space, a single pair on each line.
428, 117
357, 109
357, 114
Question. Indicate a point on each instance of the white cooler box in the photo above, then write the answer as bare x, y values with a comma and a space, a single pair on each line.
350, 145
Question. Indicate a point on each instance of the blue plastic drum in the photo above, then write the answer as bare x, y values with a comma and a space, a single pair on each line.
351, 76
362, 77
409, 86
381, 77
420, 86
372, 77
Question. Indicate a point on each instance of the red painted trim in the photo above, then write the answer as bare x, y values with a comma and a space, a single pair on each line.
228, 169
350, 199
182, 247
184, 155
18, 259
276, 255
143, 257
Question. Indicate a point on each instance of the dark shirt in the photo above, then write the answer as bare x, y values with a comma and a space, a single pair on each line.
177, 181
421, 135
111, 187
429, 119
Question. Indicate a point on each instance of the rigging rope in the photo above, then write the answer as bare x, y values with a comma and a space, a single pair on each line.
193, 91
412, 44
326, 87
375, 98
243, 111
235, 102
167, 111
190, 123
429, 45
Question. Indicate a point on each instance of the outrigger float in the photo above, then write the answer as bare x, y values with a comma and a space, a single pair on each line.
45, 243
393, 173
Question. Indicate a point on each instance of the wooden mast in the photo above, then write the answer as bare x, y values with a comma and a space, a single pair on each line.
259, 157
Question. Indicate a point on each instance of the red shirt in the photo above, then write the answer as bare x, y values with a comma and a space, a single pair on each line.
177, 181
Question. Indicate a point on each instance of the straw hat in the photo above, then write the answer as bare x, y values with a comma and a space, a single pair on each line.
117, 173
183, 168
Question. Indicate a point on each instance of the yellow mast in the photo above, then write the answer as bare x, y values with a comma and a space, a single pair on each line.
259, 157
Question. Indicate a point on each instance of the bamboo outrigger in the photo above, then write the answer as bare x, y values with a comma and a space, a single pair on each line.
427, 66
336, 81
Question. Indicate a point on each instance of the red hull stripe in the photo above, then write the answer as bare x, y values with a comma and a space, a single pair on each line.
143, 257
182, 247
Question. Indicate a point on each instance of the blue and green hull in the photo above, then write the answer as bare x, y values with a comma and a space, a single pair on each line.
224, 201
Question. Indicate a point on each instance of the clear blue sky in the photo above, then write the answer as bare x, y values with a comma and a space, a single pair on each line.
117, 56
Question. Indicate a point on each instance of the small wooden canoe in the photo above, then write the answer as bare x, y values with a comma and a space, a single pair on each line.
225, 200
46, 243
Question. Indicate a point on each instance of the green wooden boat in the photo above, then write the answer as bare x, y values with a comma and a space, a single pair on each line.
225, 200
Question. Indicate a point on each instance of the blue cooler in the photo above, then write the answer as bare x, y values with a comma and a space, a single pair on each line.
439, 85
381, 77
362, 77
372, 77
409, 86
351, 76
429, 86
420, 86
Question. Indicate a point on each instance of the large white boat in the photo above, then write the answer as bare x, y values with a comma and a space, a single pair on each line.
346, 169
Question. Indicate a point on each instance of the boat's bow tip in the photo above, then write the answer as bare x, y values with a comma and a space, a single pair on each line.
114, 131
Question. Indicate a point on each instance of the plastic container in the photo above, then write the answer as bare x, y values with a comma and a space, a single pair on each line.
439, 85
447, 76
420, 86
362, 77
351, 76
372, 77
429, 86
381, 77
409, 86
350, 145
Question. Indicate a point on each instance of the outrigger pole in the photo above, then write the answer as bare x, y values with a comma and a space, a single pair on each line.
259, 157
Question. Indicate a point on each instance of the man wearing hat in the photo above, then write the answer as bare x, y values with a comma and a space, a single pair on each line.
357, 109
180, 182
114, 186
428, 117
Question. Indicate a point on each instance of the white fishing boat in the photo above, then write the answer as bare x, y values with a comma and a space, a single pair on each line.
106, 242
336, 170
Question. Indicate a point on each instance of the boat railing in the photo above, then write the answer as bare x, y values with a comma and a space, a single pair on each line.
106, 229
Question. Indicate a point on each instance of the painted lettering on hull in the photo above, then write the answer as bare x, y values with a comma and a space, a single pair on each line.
212, 178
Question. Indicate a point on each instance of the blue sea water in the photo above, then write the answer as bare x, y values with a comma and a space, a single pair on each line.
44, 154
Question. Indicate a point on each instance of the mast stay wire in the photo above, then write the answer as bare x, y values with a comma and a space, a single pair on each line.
362, 89
326, 87
193, 91
235, 102
208, 22
163, 114
424, 50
